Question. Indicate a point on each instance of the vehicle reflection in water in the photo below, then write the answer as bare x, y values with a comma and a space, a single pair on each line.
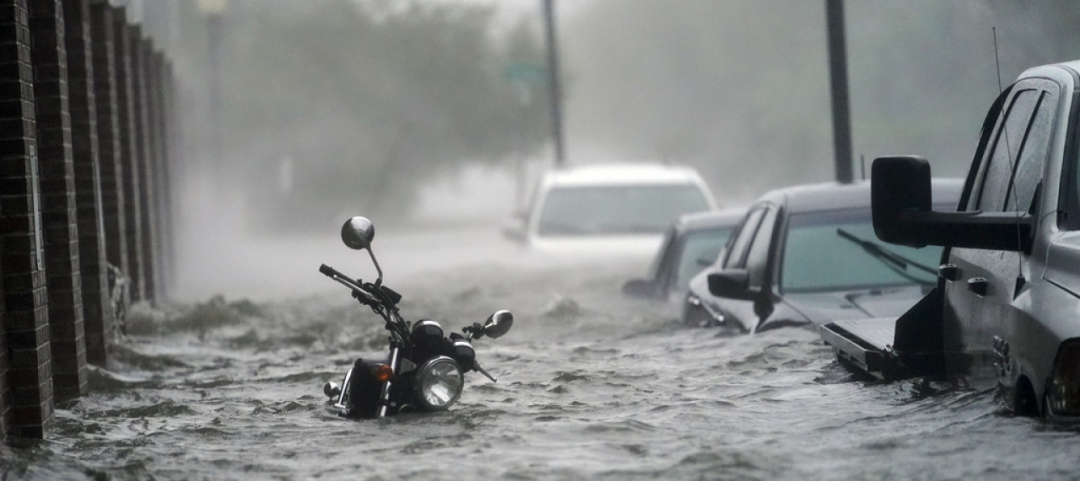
591, 386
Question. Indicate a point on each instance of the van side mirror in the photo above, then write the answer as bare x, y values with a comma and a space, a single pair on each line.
731, 283
640, 288
514, 232
900, 197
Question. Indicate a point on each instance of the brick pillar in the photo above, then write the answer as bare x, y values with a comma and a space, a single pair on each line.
112, 163
88, 196
125, 108
28, 393
165, 198
58, 211
4, 392
145, 157
169, 170
154, 62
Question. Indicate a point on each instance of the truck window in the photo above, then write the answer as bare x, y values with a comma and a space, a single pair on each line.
998, 172
1029, 170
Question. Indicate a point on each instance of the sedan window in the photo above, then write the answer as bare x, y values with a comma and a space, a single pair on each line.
699, 251
634, 209
736, 252
831, 251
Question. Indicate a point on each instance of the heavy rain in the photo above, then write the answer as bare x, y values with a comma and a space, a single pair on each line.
543, 157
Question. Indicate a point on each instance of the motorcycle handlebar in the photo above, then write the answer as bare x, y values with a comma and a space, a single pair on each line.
358, 291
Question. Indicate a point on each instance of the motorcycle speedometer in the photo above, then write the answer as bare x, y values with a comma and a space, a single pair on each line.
439, 383
426, 332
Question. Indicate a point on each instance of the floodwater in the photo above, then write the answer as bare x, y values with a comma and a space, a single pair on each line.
591, 386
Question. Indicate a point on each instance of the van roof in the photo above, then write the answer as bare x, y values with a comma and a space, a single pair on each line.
622, 174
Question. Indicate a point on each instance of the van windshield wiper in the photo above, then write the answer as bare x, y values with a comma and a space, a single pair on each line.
891, 259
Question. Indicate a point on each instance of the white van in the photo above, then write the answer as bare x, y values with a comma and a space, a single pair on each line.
609, 210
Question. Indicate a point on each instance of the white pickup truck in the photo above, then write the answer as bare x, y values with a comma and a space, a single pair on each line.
1006, 309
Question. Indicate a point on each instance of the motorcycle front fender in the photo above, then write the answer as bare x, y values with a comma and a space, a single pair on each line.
362, 391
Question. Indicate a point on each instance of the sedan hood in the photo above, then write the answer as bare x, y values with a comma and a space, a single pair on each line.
824, 307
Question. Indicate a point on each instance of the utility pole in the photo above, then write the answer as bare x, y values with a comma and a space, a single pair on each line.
841, 111
553, 82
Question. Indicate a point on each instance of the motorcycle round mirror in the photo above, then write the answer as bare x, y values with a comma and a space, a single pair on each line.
498, 323
357, 233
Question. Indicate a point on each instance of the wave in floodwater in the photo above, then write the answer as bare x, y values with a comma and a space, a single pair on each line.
591, 386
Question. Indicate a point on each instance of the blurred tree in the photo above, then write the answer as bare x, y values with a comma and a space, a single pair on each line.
364, 101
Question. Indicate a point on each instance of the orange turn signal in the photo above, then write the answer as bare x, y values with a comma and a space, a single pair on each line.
382, 372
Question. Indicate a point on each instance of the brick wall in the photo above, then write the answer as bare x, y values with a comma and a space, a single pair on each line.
28, 395
58, 211
88, 195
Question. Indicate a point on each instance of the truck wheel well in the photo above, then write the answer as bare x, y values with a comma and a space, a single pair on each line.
1024, 402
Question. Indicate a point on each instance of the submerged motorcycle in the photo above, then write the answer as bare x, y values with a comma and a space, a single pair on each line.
424, 370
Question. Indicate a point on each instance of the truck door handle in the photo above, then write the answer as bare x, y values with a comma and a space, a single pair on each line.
949, 271
978, 285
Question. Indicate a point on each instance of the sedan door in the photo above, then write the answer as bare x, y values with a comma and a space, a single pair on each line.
750, 250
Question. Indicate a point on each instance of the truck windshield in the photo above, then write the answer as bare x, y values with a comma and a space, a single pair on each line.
628, 209
833, 251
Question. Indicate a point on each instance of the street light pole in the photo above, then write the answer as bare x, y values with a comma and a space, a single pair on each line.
553, 82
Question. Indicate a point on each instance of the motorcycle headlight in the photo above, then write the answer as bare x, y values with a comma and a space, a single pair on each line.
439, 383
1063, 394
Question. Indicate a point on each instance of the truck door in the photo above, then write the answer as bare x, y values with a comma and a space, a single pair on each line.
984, 289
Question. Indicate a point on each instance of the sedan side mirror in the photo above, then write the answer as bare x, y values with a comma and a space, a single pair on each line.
900, 198
731, 283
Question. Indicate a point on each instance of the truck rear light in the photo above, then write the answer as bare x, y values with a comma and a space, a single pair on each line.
1063, 394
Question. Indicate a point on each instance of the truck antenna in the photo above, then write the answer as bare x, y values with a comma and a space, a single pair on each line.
1020, 281
997, 58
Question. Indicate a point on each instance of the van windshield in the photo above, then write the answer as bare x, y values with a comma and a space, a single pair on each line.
823, 253
622, 209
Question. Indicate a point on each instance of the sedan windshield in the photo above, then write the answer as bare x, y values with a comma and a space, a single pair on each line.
629, 209
832, 251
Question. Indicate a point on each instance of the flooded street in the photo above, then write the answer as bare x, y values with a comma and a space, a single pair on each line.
191, 162
591, 386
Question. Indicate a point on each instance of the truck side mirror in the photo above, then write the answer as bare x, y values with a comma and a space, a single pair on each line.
899, 185
731, 283
901, 202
